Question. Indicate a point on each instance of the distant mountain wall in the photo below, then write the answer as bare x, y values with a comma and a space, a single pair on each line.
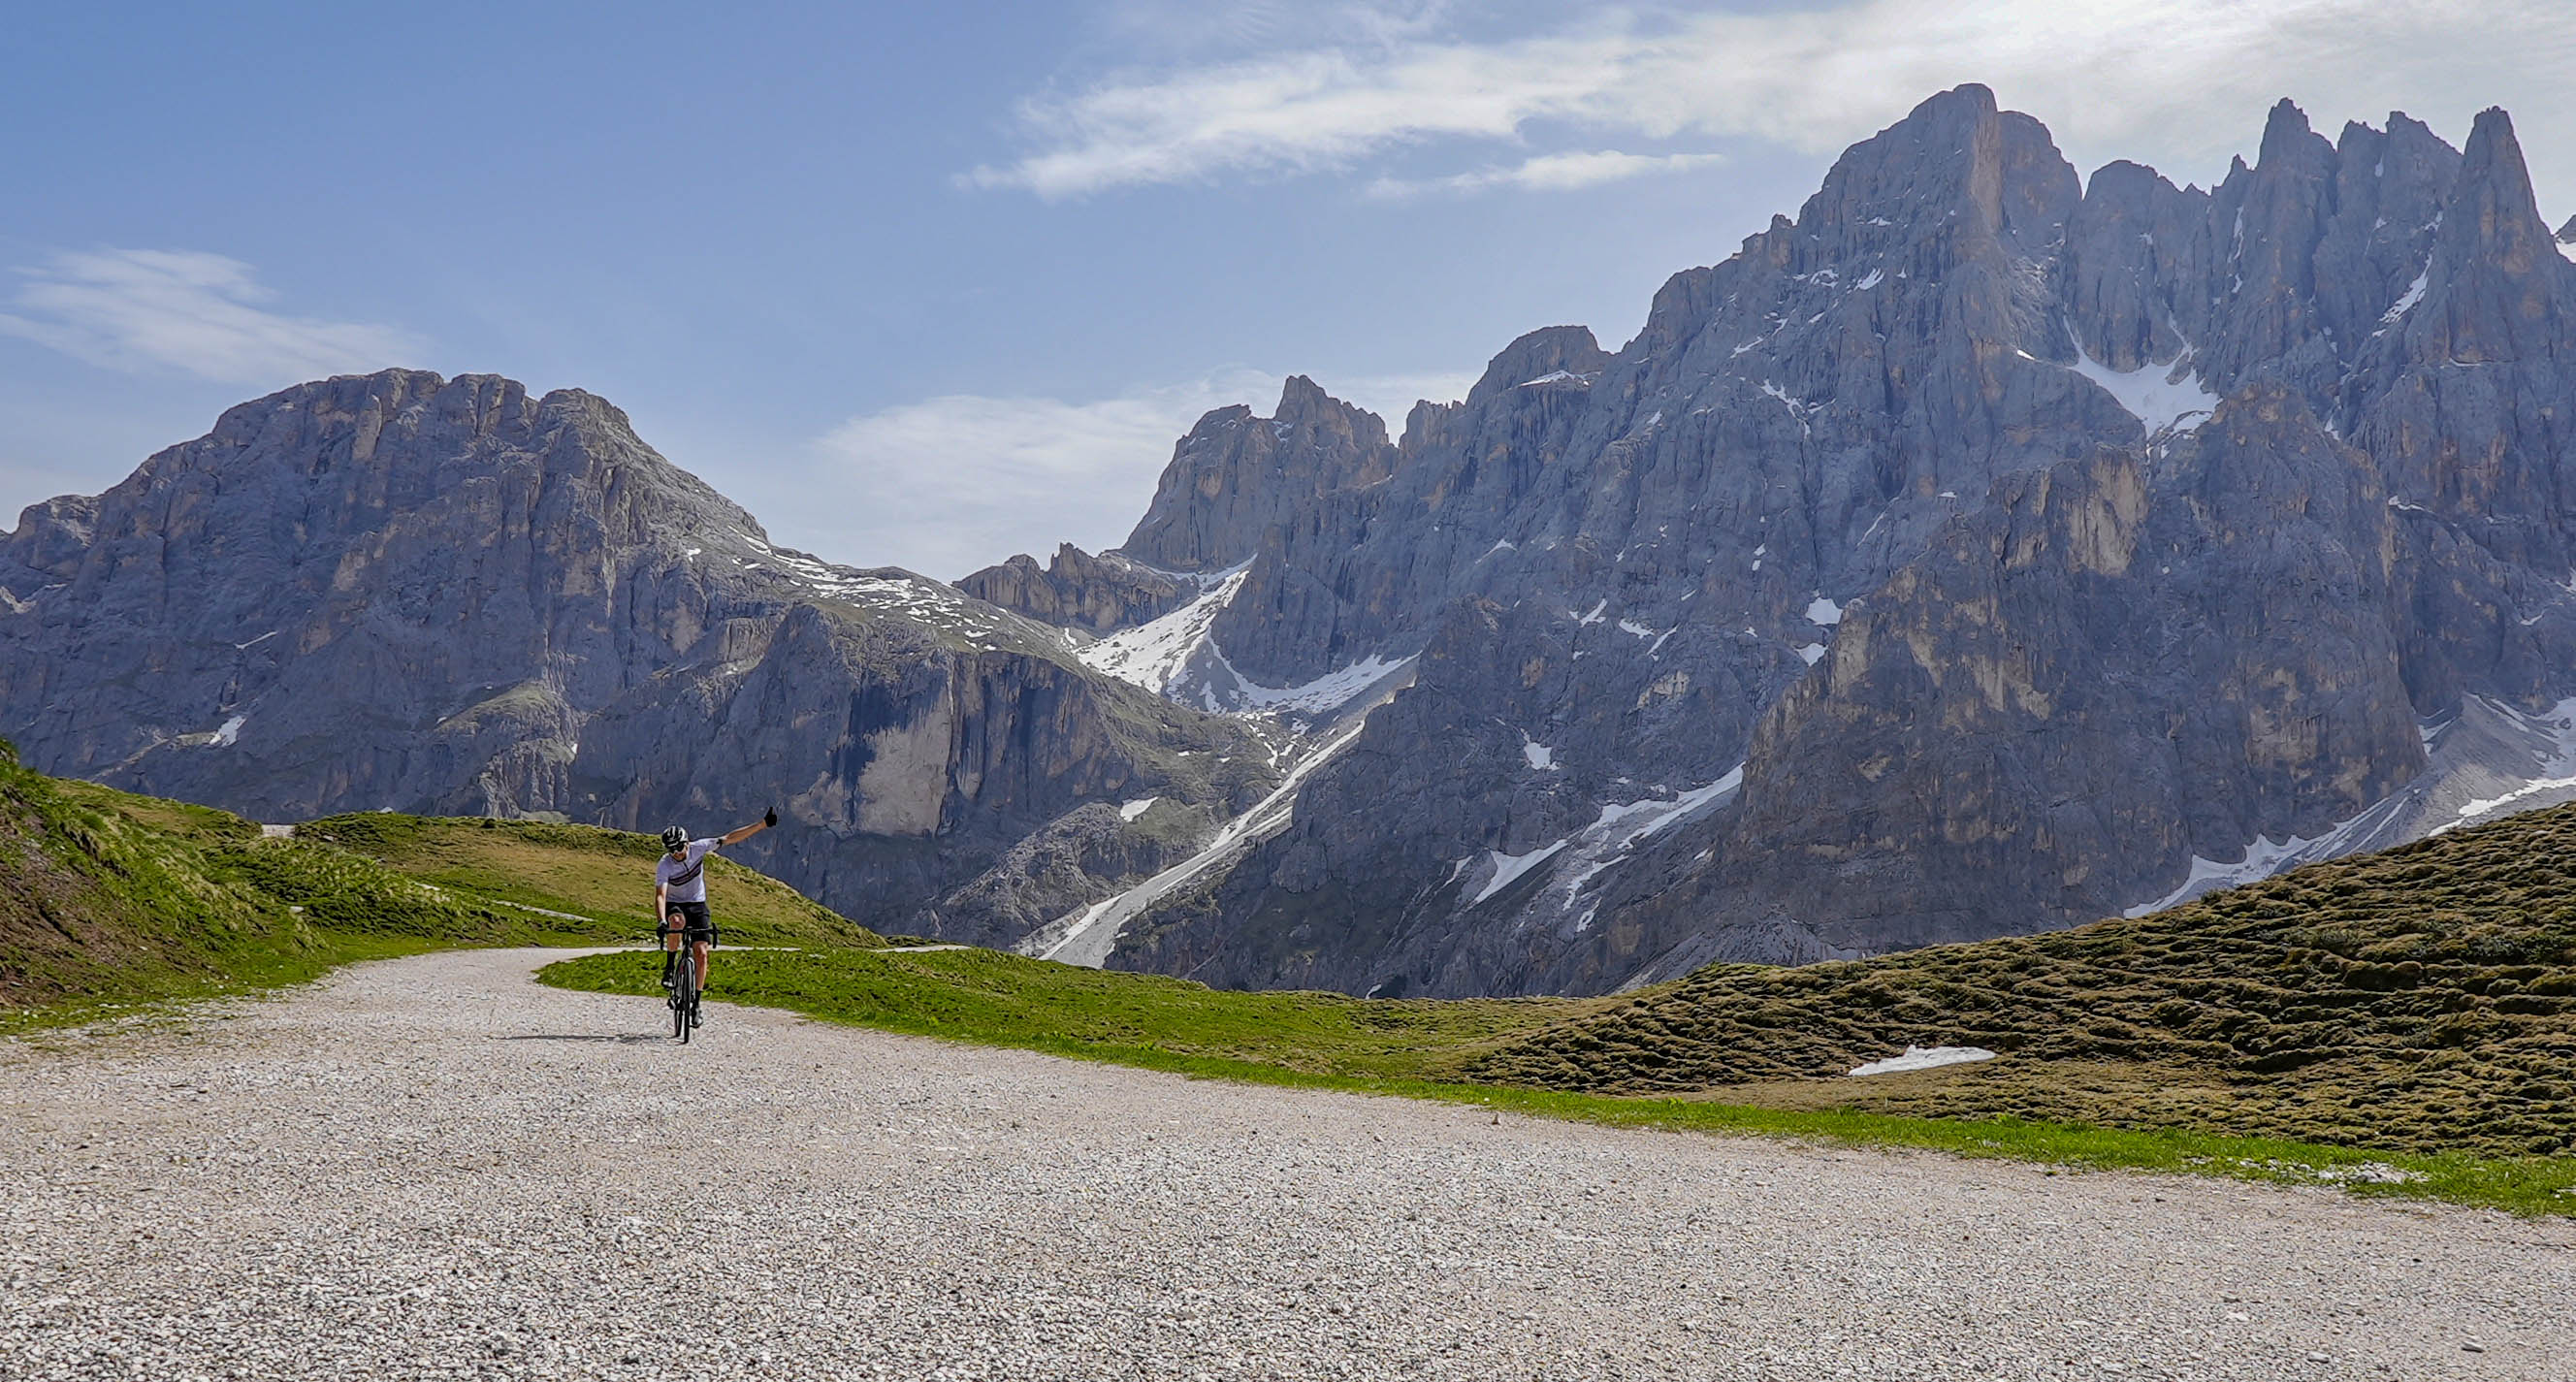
433, 595
1983, 550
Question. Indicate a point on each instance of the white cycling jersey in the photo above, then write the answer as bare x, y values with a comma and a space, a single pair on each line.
686, 876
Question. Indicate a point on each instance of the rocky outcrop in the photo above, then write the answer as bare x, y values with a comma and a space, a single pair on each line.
1059, 870
1235, 475
1077, 590
1977, 552
437, 595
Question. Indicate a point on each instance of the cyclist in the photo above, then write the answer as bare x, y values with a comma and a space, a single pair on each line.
680, 892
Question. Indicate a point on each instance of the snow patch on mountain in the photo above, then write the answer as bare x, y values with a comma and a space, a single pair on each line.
2167, 397
1602, 845
1086, 937
2413, 295
2263, 858
1154, 654
1509, 867
2488, 761
2556, 771
1924, 1058
1324, 694
1177, 656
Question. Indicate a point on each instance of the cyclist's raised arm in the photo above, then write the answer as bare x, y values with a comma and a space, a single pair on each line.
735, 837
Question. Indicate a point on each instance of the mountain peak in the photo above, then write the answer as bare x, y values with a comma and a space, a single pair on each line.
1549, 350
1303, 403
1224, 485
1954, 152
2494, 216
1966, 101
2285, 125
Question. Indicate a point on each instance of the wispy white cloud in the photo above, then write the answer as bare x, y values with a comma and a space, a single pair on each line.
188, 311
1187, 28
960, 481
2177, 79
1549, 173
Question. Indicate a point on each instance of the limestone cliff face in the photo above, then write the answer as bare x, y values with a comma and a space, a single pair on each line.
1235, 475
439, 595
1982, 550
1077, 590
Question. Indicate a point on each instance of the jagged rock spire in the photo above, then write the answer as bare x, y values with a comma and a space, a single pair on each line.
1235, 474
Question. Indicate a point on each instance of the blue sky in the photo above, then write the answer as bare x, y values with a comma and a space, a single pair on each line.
929, 284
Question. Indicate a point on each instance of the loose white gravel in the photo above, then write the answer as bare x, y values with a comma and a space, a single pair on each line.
433, 1167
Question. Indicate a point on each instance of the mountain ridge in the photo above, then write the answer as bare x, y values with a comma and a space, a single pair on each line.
1960, 368
1987, 549
449, 596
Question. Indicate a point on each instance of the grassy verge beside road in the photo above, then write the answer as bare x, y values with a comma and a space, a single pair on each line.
1420, 1049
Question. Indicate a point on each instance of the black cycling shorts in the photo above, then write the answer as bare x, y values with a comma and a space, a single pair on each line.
694, 921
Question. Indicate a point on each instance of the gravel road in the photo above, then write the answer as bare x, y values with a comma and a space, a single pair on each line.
434, 1168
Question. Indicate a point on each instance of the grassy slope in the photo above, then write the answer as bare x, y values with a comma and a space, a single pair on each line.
109, 900
603, 876
2423, 998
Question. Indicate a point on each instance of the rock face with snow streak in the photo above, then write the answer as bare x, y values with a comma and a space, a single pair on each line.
2030, 543
444, 595
1985, 549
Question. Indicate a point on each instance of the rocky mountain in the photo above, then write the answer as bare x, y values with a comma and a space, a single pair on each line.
438, 595
1984, 550
1987, 549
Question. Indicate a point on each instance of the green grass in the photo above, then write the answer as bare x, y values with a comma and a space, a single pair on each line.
1416, 1049
109, 902
602, 876
985, 995
112, 903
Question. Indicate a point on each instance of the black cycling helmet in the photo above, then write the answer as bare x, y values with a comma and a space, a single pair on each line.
673, 837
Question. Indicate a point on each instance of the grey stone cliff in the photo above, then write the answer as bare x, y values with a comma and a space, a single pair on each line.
1983, 550
437, 595
1078, 590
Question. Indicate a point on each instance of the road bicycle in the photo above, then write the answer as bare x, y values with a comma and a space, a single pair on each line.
681, 986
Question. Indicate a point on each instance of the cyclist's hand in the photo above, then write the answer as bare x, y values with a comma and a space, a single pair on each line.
770, 817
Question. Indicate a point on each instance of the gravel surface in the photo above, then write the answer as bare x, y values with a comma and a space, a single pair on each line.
433, 1167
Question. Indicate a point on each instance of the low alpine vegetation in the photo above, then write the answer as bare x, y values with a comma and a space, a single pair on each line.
2423, 999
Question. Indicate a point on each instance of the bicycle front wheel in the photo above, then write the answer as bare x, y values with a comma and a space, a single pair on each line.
684, 997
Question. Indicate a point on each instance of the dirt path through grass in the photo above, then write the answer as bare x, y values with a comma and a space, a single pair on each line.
432, 1166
